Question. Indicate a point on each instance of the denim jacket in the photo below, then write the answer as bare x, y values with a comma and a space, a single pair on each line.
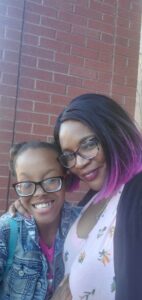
27, 277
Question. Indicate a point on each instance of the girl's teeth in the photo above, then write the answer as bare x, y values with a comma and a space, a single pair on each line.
43, 205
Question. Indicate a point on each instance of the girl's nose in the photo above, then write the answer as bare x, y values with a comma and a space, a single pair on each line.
39, 191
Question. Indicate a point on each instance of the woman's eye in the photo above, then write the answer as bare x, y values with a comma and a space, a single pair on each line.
88, 144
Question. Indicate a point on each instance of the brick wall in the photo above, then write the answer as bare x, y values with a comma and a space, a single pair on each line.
53, 50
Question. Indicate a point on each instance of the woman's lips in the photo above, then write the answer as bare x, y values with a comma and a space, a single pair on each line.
91, 175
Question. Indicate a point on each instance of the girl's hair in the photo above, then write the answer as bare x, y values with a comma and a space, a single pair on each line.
17, 149
120, 139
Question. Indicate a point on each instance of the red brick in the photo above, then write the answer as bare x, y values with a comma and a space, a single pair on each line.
32, 117
101, 26
25, 105
36, 73
97, 87
42, 130
69, 59
4, 158
60, 99
54, 45
7, 113
83, 72
52, 66
5, 136
87, 32
6, 125
30, 17
5, 146
21, 137
31, 39
28, 60
64, 4
125, 90
73, 92
27, 83
23, 127
67, 80
71, 38
41, 10
47, 109
33, 95
85, 52
98, 66
107, 38
56, 24
37, 52
4, 171
103, 8
88, 12
73, 18
50, 87
39, 30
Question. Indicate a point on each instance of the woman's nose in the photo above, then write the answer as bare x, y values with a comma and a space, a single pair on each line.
80, 161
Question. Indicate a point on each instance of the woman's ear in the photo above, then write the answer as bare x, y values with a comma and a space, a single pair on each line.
71, 182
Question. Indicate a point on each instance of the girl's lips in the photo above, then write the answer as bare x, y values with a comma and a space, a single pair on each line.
91, 175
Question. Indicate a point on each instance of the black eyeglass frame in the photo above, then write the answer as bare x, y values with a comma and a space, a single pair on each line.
40, 184
75, 153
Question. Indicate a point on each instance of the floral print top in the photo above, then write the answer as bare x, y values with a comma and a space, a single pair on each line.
89, 262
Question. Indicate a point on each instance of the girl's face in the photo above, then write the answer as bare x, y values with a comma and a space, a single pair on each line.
74, 136
36, 165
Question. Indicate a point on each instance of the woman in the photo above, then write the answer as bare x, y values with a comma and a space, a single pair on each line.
102, 253
37, 267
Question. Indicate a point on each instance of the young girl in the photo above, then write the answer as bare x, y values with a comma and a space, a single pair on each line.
37, 266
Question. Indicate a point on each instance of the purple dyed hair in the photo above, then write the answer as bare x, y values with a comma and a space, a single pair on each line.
117, 133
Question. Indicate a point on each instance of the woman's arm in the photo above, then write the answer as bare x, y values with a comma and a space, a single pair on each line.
17, 206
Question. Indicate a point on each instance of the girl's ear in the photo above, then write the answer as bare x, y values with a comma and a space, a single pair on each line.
71, 182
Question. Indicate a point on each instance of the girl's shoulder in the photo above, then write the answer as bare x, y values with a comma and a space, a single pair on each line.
6, 220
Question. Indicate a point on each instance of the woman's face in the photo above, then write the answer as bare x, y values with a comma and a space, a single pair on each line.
73, 136
36, 165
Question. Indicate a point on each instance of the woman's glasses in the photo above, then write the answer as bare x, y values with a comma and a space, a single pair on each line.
28, 188
88, 149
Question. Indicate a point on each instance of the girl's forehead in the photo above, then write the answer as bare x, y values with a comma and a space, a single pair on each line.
37, 157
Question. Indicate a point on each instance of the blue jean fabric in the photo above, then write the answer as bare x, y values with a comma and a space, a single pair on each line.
27, 277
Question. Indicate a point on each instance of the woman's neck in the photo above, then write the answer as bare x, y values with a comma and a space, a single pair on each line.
48, 232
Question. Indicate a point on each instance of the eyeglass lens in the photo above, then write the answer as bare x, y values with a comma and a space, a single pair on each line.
88, 149
48, 185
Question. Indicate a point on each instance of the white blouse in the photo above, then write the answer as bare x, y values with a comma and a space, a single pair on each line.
89, 262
